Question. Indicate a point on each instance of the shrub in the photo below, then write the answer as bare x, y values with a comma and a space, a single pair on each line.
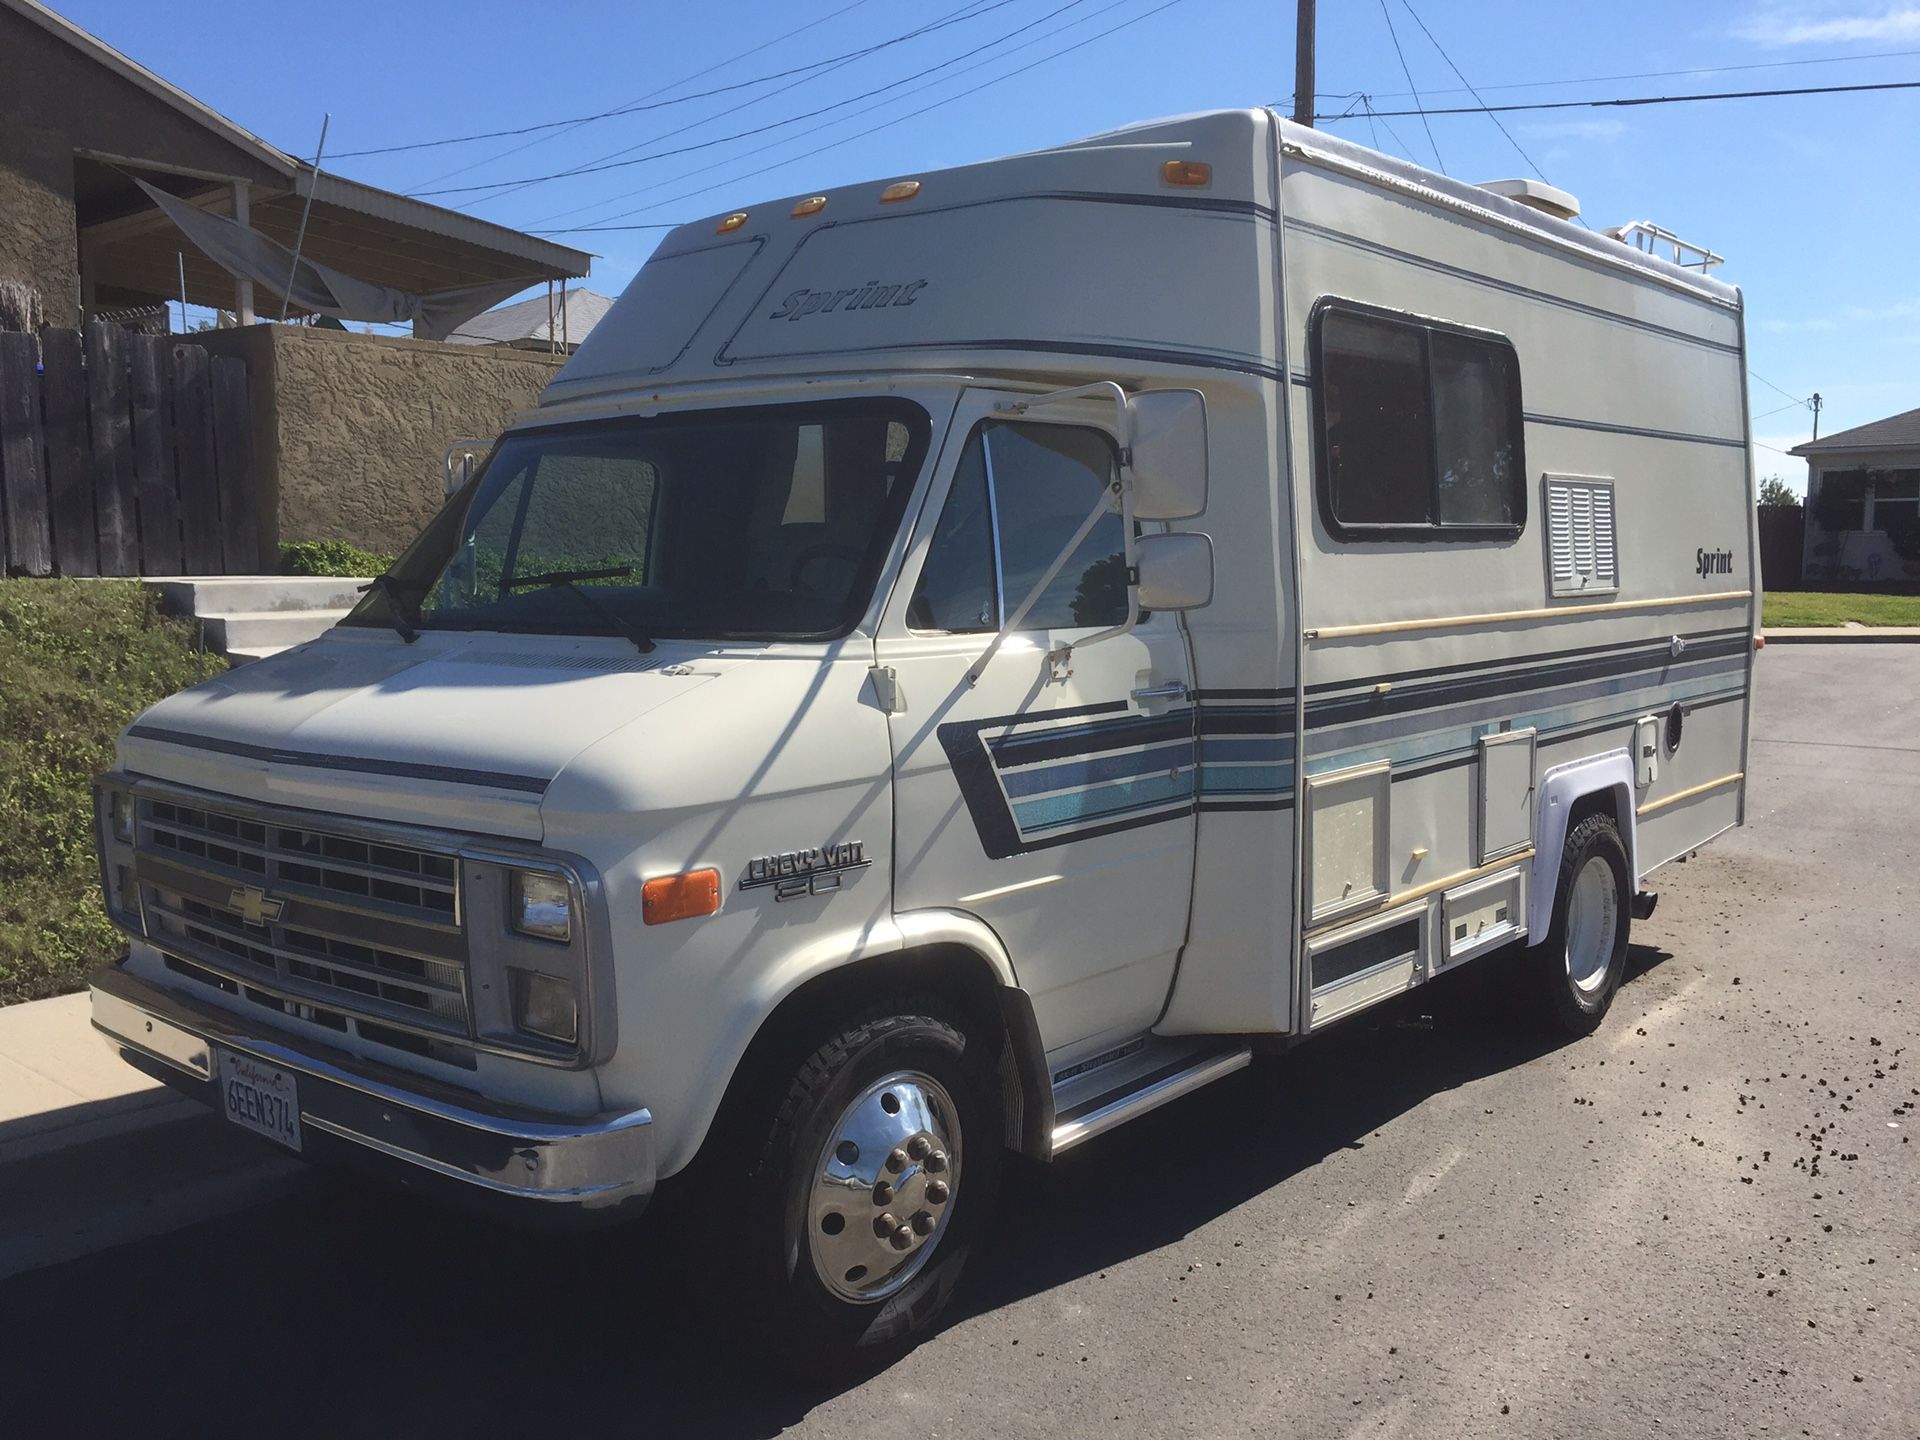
78, 660
331, 557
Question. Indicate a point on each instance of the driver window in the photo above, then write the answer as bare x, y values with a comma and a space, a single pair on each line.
1030, 487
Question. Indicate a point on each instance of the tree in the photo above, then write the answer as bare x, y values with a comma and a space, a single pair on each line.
1775, 495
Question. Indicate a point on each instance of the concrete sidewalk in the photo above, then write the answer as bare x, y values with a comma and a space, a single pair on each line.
62, 1086
1843, 635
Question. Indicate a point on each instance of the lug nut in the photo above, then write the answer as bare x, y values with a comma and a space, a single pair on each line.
884, 1226
897, 1161
922, 1223
936, 1162
936, 1192
902, 1238
918, 1147
882, 1193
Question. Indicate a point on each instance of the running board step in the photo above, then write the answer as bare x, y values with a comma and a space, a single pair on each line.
1140, 1077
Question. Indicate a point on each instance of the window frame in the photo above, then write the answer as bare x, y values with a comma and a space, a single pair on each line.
933, 512
1431, 530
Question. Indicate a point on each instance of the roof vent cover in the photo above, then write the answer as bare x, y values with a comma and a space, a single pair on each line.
1536, 195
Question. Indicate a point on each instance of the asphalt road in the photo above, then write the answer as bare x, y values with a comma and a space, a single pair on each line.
1700, 1222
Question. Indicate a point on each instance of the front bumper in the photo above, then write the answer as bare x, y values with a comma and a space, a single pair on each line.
410, 1126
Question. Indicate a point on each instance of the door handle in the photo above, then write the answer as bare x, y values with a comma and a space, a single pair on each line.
1171, 690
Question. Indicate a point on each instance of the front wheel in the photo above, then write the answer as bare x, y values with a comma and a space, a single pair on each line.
1575, 971
879, 1161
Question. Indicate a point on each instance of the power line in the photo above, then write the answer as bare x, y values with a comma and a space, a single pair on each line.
567, 127
594, 169
1642, 74
1633, 100
670, 180
1797, 399
1795, 405
1531, 163
972, 9
871, 130
1387, 15
588, 166
638, 104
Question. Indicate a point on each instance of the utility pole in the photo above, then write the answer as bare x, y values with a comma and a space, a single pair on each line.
1303, 63
1814, 400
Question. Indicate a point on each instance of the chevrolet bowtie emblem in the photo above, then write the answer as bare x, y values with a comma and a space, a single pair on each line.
253, 905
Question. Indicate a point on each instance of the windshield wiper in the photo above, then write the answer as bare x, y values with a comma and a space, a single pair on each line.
405, 621
566, 580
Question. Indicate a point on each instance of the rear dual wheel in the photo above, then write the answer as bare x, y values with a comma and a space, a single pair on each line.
1575, 971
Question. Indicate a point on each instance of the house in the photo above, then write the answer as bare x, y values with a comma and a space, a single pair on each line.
119, 193
1863, 502
553, 323
82, 125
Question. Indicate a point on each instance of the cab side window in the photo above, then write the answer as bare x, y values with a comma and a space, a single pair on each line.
1018, 495
1419, 429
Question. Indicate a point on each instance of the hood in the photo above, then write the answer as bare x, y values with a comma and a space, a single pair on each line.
465, 731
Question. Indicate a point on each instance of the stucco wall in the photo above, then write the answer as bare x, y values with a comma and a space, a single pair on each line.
350, 428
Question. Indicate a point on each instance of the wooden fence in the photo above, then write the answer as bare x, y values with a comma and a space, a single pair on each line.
124, 454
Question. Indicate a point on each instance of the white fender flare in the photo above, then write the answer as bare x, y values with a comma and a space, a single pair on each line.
1560, 789
821, 955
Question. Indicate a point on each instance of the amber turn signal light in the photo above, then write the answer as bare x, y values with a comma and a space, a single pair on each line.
1187, 172
813, 205
899, 190
732, 222
680, 897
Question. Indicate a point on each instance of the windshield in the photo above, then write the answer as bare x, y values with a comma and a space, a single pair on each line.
762, 523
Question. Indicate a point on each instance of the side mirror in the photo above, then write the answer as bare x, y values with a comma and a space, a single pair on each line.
1169, 454
1176, 571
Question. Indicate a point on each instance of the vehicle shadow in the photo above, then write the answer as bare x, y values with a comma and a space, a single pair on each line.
342, 1310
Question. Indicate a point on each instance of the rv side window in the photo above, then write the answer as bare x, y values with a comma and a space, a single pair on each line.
1025, 489
1420, 429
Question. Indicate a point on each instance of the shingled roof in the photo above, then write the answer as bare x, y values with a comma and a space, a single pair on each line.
1896, 432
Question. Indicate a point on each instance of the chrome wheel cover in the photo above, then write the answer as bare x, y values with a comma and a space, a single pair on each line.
884, 1186
1593, 924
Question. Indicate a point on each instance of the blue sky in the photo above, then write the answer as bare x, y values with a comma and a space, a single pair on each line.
1813, 200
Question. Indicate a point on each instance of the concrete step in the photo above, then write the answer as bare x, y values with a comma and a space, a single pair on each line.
259, 632
208, 595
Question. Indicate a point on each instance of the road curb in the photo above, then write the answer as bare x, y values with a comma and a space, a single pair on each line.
1865, 635
62, 1086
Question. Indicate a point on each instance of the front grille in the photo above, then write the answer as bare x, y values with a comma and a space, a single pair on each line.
341, 929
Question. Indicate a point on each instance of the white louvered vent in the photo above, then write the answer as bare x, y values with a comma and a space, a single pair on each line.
1581, 554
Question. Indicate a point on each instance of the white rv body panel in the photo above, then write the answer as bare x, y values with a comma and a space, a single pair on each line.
1323, 787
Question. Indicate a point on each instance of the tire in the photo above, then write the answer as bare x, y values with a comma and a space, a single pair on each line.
1572, 975
904, 1098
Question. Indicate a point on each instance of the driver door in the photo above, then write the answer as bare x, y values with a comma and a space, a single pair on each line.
1056, 803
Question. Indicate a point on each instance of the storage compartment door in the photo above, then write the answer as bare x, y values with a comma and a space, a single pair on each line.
1506, 794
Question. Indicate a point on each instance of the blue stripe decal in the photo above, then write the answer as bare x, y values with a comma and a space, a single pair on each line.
1100, 770
1103, 801
1246, 779
1214, 748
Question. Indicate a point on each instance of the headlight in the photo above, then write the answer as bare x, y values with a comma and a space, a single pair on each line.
120, 805
542, 905
544, 1005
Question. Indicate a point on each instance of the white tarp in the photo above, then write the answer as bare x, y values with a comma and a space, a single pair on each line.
246, 253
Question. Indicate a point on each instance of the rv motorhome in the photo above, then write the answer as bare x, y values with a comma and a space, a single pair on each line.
953, 664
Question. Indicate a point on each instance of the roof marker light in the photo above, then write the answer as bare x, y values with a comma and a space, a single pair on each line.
1187, 172
899, 190
813, 205
732, 222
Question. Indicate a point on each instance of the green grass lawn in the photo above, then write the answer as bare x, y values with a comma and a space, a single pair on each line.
1816, 607
78, 660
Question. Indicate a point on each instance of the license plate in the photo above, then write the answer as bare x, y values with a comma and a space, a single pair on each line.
260, 1097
